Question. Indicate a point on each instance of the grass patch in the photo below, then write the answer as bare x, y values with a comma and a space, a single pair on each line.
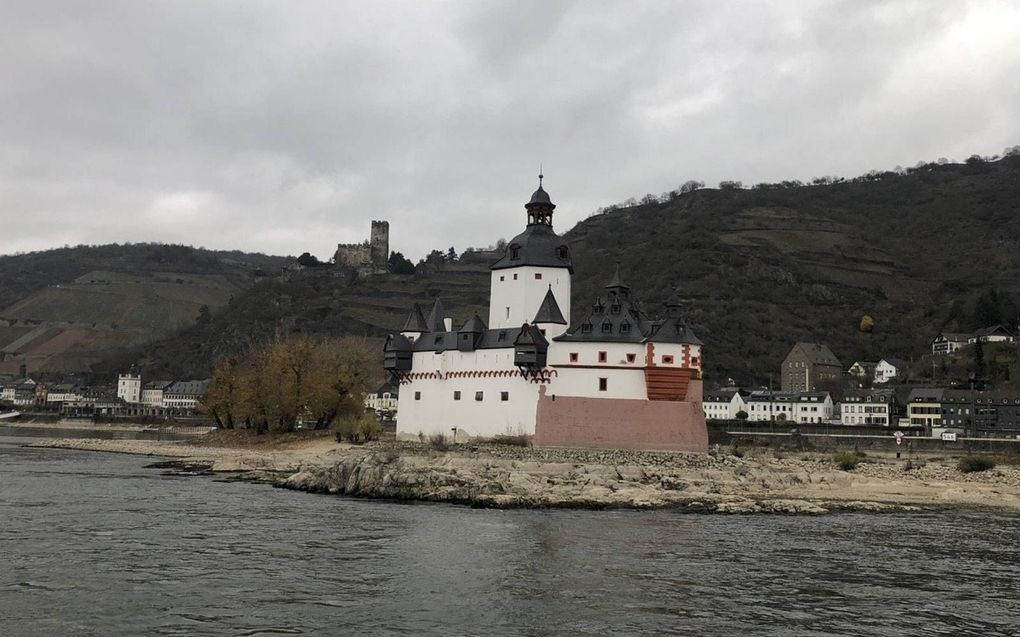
846, 460
439, 442
972, 464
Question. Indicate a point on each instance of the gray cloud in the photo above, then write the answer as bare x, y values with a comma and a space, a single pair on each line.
284, 127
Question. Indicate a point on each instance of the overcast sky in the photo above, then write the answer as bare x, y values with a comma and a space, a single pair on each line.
287, 126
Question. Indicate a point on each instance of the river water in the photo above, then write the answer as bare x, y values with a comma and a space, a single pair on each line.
97, 544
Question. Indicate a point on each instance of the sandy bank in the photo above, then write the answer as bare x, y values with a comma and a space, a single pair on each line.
500, 476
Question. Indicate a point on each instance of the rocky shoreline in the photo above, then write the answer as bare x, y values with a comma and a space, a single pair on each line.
496, 476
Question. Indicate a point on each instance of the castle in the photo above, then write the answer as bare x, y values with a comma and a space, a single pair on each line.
617, 378
370, 257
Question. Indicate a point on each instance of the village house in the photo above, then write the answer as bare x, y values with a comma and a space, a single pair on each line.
993, 334
616, 378
948, 342
791, 407
724, 404
889, 368
63, 393
869, 407
862, 371
810, 367
384, 399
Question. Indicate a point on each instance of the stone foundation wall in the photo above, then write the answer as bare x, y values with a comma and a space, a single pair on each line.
619, 423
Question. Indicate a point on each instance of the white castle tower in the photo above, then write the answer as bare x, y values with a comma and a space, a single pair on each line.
536, 265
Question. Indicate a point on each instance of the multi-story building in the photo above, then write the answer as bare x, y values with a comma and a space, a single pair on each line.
924, 406
724, 404
63, 393
869, 407
153, 392
791, 407
185, 395
993, 334
811, 367
982, 414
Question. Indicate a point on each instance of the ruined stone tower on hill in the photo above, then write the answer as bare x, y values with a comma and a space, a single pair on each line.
369, 257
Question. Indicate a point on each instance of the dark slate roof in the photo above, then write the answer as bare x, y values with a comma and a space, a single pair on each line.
869, 395
188, 387
416, 321
721, 395
531, 335
435, 321
925, 394
994, 329
955, 337
158, 384
673, 329
539, 246
817, 353
475, 325
489, 339
398, 343
615, 283
549, 310
540, 196
619, 319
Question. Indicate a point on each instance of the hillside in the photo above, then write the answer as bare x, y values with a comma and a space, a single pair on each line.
64, 310
759, 268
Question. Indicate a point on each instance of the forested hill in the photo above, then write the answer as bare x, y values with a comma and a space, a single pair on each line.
64, 310
760, 269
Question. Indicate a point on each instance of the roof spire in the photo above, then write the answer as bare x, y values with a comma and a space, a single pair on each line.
540, 175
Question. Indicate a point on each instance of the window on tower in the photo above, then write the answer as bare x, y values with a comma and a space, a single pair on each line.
515, 252
562, 252
573, 357
603, 357
603, 384
538, 276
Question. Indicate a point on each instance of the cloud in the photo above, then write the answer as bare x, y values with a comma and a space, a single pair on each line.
287, 127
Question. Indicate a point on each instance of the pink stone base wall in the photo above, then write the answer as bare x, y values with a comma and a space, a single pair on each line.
646, 425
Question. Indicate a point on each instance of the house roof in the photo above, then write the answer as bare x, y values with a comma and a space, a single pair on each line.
994, 329
925, 394
721, 395
188, 388
159, 384
816, 353
872, 395
955, 337
765, 396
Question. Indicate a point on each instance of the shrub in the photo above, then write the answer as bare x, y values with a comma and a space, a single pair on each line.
512, 440
846, 460
439, 442
971, 464
357, 429
739, 452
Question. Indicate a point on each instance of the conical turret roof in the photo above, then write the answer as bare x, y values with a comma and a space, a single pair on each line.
435, 321
549, 311
416, 321
474, 324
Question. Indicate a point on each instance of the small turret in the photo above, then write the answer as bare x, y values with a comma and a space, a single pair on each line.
415, 324
469, 336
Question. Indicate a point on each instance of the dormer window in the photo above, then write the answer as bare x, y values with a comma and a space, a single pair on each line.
625, 328
515, 252
615, 308
562, 252
607, 327
586, 328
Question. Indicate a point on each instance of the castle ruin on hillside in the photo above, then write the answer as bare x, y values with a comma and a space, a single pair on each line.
369, 257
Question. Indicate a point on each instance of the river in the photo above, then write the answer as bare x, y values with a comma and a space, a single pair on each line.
97, 544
